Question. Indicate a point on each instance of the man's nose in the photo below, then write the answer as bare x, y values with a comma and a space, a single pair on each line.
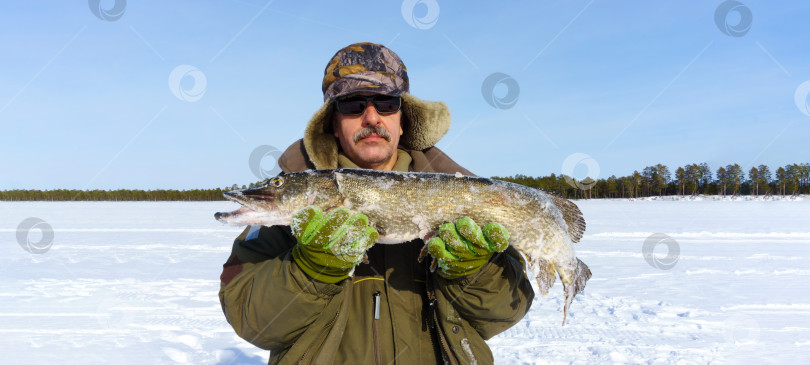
370, 115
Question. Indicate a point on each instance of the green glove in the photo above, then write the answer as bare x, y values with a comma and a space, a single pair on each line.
330, 246
463, 248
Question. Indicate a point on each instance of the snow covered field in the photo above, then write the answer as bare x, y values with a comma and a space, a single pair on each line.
136, 283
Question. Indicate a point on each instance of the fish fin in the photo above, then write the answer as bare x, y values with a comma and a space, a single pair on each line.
572, 216
423, 253
546, 274
430, 235
571, 289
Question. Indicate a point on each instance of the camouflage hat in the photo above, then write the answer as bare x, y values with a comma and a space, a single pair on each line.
368, 67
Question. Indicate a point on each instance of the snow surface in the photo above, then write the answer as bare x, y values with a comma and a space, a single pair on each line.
137, 282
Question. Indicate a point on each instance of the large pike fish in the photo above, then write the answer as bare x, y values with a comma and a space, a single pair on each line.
408, 205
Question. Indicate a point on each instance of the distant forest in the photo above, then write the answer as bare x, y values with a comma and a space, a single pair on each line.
694, 179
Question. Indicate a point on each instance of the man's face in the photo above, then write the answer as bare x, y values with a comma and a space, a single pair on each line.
370, 140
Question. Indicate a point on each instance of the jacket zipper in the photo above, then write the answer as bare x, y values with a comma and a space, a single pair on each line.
437, 337
434, 336
449, 358
374, 330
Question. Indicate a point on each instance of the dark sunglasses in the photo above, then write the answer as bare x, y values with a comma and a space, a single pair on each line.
356, 105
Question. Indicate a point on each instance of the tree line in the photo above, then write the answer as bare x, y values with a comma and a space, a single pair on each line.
657, 180
692, 179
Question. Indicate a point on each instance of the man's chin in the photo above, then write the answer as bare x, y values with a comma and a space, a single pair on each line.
372, 156
371, 160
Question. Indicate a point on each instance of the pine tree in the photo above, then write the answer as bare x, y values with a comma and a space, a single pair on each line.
662, 177
680, 175
781, 176
612, 188
722, 179
793, 177
765, 178
753, 174
647, 180
735, 176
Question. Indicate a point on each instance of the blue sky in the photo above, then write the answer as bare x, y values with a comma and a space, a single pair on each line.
85, 103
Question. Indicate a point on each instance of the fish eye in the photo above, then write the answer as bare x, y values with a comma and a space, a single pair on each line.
277, 181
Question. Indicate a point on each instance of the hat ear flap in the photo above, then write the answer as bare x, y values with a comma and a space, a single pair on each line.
424, 122
319, 138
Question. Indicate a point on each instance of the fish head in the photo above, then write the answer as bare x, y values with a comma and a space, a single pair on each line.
275, 200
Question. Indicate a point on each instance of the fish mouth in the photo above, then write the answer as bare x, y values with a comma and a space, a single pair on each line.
227, 217
246, 214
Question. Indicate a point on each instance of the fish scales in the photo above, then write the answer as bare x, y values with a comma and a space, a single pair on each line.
408, 205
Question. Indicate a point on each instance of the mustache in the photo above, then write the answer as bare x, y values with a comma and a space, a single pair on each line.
367, 131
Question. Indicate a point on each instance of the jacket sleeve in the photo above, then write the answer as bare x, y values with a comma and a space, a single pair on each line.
268, 300
494, 298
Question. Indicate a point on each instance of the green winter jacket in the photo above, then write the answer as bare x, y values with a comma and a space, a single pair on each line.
391, 310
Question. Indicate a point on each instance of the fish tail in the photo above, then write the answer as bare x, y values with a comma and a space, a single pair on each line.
574, 285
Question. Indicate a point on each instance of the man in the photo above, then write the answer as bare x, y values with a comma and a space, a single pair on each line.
302, 292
